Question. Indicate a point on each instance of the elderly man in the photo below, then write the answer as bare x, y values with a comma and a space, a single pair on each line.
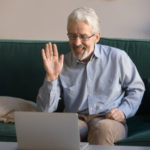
98, 82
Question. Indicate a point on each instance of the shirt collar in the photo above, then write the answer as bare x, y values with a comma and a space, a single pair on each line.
97, 50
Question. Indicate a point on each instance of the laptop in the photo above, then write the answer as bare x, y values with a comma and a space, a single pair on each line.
48, 131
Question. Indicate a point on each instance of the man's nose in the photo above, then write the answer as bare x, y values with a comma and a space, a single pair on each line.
77, 41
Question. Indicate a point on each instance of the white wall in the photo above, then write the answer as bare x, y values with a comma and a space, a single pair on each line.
46, 19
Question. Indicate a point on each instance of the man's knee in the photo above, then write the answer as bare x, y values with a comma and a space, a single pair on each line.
83, 129
106, 132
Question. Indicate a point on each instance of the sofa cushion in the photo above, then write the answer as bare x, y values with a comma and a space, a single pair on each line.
139, 139
138, 131
7, 132
8, 105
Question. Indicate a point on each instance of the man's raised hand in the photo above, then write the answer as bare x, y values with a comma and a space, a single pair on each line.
53, 64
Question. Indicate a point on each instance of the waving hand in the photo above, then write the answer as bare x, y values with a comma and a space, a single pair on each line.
53, 64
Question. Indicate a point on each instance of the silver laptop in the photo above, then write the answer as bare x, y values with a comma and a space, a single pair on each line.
48, 131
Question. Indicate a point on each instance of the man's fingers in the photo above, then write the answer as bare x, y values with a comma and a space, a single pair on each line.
51, 53
43, 54
50, 49
47, 53
55, 53
116, 114
110, 114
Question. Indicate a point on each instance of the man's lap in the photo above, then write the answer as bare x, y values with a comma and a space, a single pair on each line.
97, 129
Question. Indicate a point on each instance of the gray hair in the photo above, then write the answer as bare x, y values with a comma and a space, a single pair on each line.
87, 15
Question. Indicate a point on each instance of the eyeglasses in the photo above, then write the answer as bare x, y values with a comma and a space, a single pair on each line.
82, 37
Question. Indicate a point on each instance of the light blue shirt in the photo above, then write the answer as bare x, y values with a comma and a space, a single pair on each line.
109, 80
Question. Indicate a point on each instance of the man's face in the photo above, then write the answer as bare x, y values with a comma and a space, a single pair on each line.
82, 40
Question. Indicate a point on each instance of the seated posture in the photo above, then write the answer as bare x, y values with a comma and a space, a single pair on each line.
98, 82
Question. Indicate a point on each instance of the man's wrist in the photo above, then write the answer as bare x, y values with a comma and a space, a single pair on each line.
48, 78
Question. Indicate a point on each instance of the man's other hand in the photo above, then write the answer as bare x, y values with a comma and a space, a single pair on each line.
116, 114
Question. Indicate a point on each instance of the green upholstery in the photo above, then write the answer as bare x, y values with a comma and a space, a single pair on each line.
138, 131
139, 139
7, 132
22, 73
21, 67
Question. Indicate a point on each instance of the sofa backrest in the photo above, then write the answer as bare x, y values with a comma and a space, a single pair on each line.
22, 71
21, 67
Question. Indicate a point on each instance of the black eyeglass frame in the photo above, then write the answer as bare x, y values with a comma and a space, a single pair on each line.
82, 37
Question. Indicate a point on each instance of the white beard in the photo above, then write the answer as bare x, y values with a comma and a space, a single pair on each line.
83, 56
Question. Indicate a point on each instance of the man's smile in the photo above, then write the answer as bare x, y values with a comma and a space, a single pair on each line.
79, 49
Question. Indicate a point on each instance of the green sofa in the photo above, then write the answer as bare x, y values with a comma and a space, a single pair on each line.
22, 73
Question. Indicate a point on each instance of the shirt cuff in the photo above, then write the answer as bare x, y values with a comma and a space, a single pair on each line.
49, 84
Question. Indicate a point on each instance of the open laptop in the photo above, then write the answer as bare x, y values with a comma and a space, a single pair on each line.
48, 131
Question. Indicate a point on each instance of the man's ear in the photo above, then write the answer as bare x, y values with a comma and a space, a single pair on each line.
98, 35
